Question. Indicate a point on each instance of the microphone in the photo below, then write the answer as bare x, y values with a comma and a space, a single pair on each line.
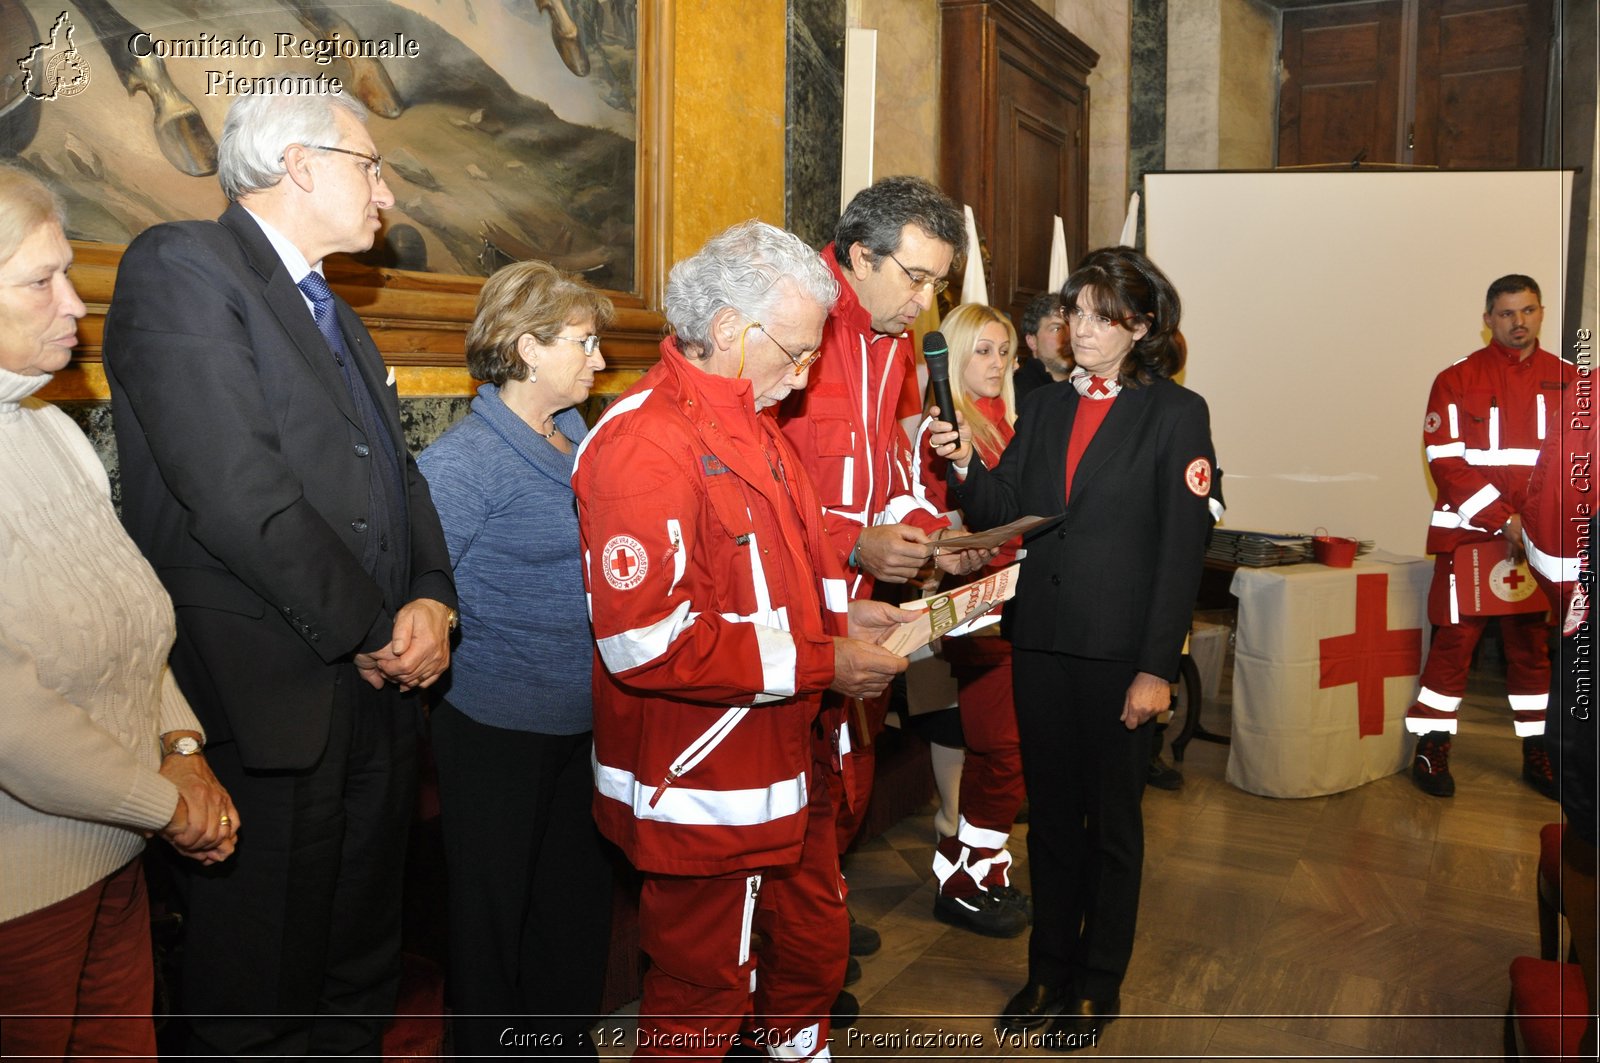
937, 354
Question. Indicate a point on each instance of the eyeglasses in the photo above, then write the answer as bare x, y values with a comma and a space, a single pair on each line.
589, 343
800, 362
374, 167
920, 279
1098, 322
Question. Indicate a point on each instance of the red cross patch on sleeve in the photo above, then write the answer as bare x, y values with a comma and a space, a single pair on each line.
624, 562
1198, 477
1431, 422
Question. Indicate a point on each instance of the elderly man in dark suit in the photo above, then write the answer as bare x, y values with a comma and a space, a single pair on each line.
266, 478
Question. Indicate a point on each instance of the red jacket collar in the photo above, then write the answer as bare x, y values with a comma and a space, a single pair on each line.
1511, 355
848, 309
700, 392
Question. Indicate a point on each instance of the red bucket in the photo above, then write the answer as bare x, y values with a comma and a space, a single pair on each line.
1333, 551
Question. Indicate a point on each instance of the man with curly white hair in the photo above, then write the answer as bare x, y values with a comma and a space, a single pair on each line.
721, 615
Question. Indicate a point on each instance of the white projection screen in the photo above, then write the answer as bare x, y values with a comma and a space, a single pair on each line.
1318, 308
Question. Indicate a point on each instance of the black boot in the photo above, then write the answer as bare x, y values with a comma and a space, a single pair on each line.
1536, 771
1430, 768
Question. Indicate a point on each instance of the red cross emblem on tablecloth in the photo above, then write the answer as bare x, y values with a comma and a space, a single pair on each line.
1371, 653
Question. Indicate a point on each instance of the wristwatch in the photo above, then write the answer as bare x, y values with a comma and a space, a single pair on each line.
452, 620
183, 746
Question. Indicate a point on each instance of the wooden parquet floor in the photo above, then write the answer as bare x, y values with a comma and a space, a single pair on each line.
1377, 923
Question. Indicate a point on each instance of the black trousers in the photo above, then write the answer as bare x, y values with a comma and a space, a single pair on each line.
1085, 773
292, 946
530, 887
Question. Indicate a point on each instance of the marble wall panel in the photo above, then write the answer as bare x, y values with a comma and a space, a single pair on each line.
1194, 55
1147, 90
814, 127
423, 420
1105, 27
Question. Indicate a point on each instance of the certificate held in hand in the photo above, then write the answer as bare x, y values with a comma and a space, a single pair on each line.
945, 613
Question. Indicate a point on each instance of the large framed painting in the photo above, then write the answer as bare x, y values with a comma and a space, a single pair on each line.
510, 129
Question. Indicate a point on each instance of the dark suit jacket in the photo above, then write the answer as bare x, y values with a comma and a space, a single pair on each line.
1117, 578
1030, 376
245, 482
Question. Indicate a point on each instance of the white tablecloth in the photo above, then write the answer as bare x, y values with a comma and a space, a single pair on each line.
1318, 700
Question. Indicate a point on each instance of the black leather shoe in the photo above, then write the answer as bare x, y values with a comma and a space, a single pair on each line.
1016, 898
864, 940
1164, 776
982, 913
1032, 1007
1080, 1024
852, 971
846, 1010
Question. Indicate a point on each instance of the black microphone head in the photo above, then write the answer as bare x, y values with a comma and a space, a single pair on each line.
937, 354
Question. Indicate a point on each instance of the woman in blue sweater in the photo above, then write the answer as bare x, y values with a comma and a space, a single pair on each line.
530, 885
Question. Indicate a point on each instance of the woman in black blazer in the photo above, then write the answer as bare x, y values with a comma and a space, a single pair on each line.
1098, 624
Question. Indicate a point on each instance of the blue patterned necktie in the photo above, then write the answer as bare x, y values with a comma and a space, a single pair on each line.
386, 496
316, 289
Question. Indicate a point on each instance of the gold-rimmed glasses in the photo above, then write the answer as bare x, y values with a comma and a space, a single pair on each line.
920, 279
802, 361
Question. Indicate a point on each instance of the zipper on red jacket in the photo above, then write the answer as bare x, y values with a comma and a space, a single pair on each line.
671, 778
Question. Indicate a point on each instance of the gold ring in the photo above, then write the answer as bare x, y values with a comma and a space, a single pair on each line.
225, 819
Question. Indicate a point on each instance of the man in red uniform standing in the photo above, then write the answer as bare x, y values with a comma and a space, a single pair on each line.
720, 617
892, 250
1487, 417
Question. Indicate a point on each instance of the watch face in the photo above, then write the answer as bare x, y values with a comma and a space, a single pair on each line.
186, 746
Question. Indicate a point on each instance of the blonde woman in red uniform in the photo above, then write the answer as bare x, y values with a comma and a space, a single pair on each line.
973, 865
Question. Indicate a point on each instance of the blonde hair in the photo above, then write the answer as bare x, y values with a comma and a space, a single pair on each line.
526, 298
961, 328
25, 204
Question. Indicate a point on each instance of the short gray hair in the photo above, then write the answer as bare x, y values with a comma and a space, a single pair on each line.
741, 267
259, 128
879, 213
25, 204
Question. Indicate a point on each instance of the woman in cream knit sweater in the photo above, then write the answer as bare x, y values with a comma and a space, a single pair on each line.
98, 749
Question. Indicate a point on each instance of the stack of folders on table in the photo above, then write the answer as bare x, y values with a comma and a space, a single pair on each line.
1259, 549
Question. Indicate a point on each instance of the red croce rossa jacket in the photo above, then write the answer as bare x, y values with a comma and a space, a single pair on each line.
714, 594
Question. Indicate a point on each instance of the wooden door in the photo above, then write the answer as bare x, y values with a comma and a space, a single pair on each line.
1482, 68
1014, 145
1341, 96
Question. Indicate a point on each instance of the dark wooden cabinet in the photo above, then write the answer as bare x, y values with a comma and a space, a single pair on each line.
1447, 83
1014, 135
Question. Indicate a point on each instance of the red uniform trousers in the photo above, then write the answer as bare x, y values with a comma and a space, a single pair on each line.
84, 966
709, 980
991, 775
866, 720
1444, 677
